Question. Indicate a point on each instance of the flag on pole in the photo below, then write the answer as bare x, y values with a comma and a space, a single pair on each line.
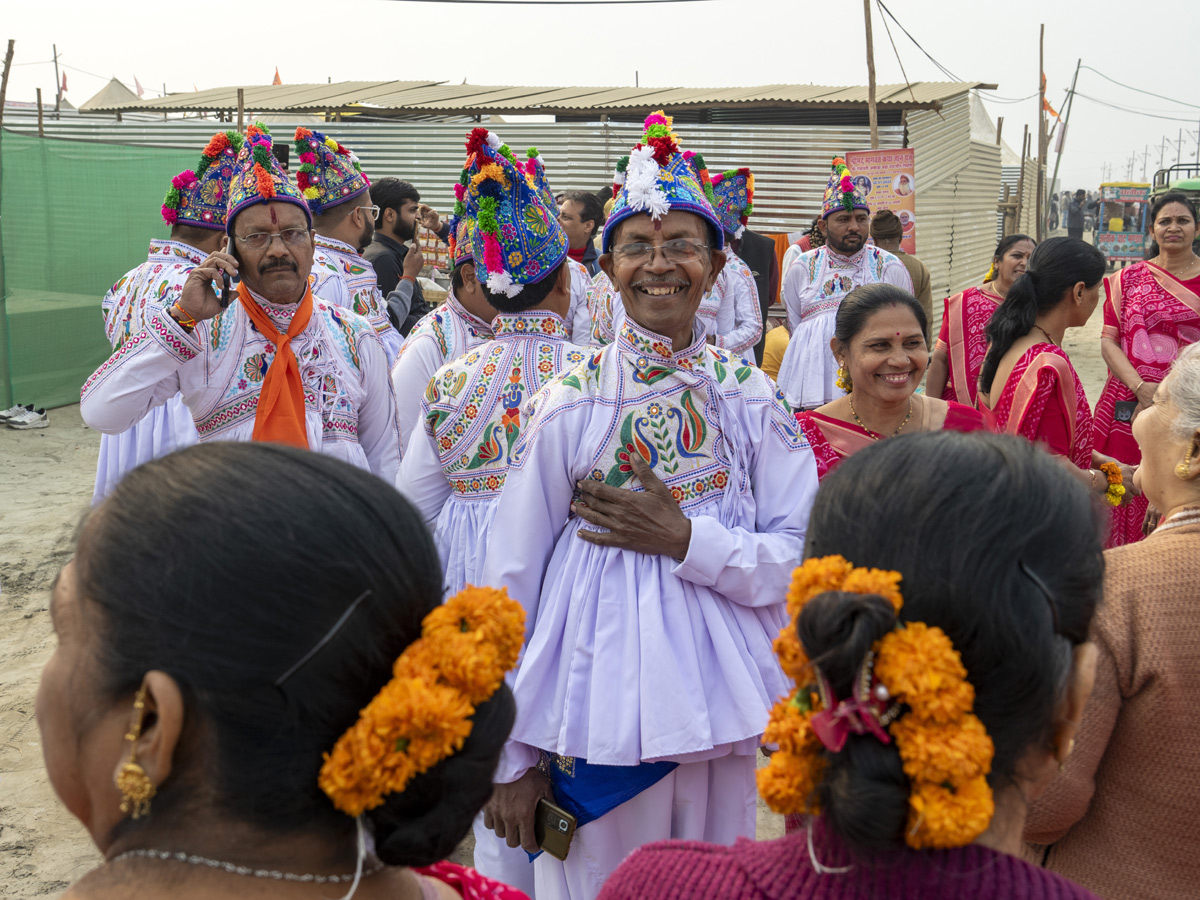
137, 86
1048, 108
277, 78
64, 84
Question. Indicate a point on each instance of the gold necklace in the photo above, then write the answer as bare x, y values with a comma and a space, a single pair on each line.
875, 435
1178, 274
1047, 334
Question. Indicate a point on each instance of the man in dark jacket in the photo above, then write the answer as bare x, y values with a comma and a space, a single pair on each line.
581, 215
400, 211
1077, 215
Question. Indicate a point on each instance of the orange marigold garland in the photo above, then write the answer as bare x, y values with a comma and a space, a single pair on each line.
1116, 487
423, 715
944, 747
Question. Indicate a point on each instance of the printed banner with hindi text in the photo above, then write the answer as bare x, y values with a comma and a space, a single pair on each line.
886, 180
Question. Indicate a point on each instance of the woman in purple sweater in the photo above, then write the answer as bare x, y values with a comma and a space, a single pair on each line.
922, 783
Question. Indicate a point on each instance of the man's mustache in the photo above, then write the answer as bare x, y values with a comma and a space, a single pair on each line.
278, 263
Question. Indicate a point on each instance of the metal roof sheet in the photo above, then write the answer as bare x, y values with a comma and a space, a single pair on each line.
405, 97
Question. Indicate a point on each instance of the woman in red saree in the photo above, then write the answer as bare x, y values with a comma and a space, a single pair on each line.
961, 343
879, 343
1027, 385
1151, 312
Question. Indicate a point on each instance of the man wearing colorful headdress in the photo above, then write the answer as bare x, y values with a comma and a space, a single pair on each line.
194, 207
815, 284
730, 311
463, 321
579, 318
275, 364
339, 195
654, 506
473, 412
733, 200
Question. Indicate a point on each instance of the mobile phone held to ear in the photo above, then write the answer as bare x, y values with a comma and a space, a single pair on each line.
553, 829
224, 289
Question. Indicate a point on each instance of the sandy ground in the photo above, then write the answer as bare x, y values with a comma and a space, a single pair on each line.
46, 481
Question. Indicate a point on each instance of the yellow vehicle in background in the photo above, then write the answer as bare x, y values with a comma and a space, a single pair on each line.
1121, 221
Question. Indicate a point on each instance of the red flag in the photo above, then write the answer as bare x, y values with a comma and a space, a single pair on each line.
277, 79
64, 84
137, 86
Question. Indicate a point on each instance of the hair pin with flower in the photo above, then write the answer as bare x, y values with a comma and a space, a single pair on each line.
423, 715
912, 683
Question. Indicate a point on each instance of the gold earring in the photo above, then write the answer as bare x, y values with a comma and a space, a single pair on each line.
132, 781
844, 381
1183, 470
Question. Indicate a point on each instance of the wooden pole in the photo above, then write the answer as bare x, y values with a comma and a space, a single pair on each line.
1041, 157
1062, 137
999, 129
1021, 176
4, 78
57, 83
241, 109
41, 130
872, 114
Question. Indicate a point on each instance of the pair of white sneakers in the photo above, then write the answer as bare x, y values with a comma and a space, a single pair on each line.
23, 418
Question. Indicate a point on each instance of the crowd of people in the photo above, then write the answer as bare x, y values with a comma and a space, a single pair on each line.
567, 552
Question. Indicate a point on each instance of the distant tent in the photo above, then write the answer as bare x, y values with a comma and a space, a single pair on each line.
111, 94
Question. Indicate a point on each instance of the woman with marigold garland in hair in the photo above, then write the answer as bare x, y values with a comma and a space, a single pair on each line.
937, 691
879, 344
215, 648
1135, 776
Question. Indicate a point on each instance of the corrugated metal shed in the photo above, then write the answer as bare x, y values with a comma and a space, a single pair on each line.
393, 98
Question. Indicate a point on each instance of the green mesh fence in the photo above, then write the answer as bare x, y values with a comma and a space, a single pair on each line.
74, 217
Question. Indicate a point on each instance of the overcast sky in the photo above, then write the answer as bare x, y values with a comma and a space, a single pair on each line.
718, 43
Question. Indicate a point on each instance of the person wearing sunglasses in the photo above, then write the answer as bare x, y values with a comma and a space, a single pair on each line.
268, 361
339, 195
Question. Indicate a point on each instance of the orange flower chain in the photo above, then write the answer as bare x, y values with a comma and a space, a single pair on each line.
1116, 487
944, 747
423, 715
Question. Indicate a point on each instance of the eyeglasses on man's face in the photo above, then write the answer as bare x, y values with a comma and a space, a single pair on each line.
373, 210
260, 240
681, 250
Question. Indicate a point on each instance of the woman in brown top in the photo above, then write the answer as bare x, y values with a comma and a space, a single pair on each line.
1121, 817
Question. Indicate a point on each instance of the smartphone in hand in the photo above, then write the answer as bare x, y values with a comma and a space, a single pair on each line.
553, 829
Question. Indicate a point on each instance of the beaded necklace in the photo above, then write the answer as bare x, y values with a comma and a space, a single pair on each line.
234, 869
875, 436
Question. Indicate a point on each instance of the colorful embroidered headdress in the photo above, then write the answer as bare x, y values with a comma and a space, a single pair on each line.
258, 177
700, 169
516, 241
199, 197
841, 194
658, 180
535, 171
733, 191
329, 173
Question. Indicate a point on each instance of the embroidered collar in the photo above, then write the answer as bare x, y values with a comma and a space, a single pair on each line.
177, 250
473, 321
651, 348
540, 322
280, 314
335, 246
846, 262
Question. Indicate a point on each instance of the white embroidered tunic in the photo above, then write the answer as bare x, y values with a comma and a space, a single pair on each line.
579, 317
730, 311
454, 468
344, 277
350, 412
812, 292
441, 336
631, 656
154, 285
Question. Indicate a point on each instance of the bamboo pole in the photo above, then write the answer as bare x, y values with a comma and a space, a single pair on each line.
241, 109
41, 130
872, 114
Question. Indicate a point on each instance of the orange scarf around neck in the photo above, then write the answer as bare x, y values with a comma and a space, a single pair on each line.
280, 413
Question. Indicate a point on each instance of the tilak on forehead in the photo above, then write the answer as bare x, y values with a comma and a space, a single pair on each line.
656, 179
